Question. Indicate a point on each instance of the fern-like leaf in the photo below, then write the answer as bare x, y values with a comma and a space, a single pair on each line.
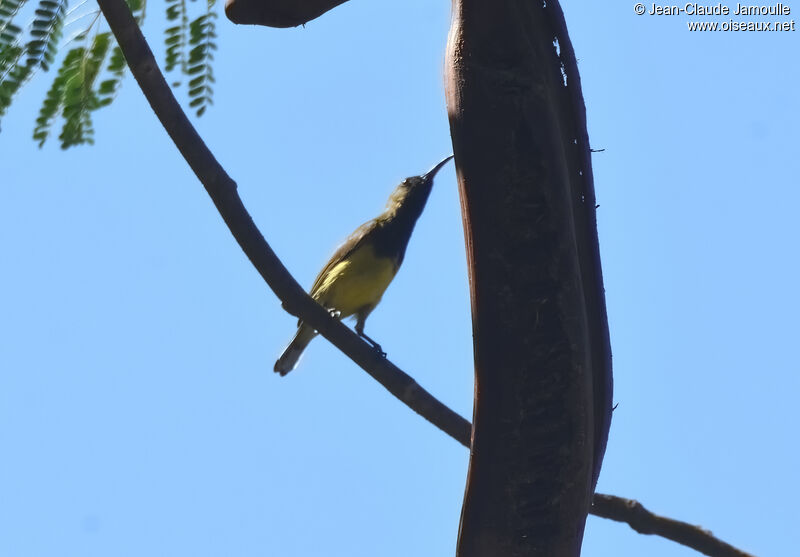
72, 94
79, 95
175, 36
54, 100
116, 67
202, 35
46, 32
13, 73
10, 49
8, 31
109, 87
14, 79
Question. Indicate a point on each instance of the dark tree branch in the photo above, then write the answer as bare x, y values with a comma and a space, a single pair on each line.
646, 522
277, 13
222, 190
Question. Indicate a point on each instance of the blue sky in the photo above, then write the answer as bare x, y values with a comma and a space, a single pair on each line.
138, 411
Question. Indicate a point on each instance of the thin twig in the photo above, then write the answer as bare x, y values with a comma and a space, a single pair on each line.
646, 522
222, 190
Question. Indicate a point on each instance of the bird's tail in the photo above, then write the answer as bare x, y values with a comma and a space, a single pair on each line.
291, 355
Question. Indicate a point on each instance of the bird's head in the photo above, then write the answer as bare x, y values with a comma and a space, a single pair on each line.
414, 190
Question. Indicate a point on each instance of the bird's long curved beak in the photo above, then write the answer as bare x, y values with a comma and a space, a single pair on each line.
432, 172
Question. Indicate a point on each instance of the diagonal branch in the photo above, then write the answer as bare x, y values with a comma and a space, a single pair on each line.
646, 522
222, 190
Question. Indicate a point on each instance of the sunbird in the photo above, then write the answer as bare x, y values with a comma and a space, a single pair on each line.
354, 279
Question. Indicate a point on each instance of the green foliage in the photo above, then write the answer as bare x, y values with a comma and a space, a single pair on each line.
54, 99
11, 83
9, 32
175, 36
116, 70
189, 49
80, 98
202, 33
10, 50
8, 9
73, 95
13, 74
46, 32
90, 75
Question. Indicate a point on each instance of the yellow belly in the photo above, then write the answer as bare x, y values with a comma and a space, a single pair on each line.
356, 283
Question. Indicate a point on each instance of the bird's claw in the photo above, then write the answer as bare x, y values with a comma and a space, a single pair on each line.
375, 345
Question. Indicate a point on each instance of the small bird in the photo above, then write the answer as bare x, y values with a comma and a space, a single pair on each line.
353, 281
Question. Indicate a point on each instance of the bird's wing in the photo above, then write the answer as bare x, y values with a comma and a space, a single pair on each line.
351, 244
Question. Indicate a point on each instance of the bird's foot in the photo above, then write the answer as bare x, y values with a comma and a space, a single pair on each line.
379, 350
375, 345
